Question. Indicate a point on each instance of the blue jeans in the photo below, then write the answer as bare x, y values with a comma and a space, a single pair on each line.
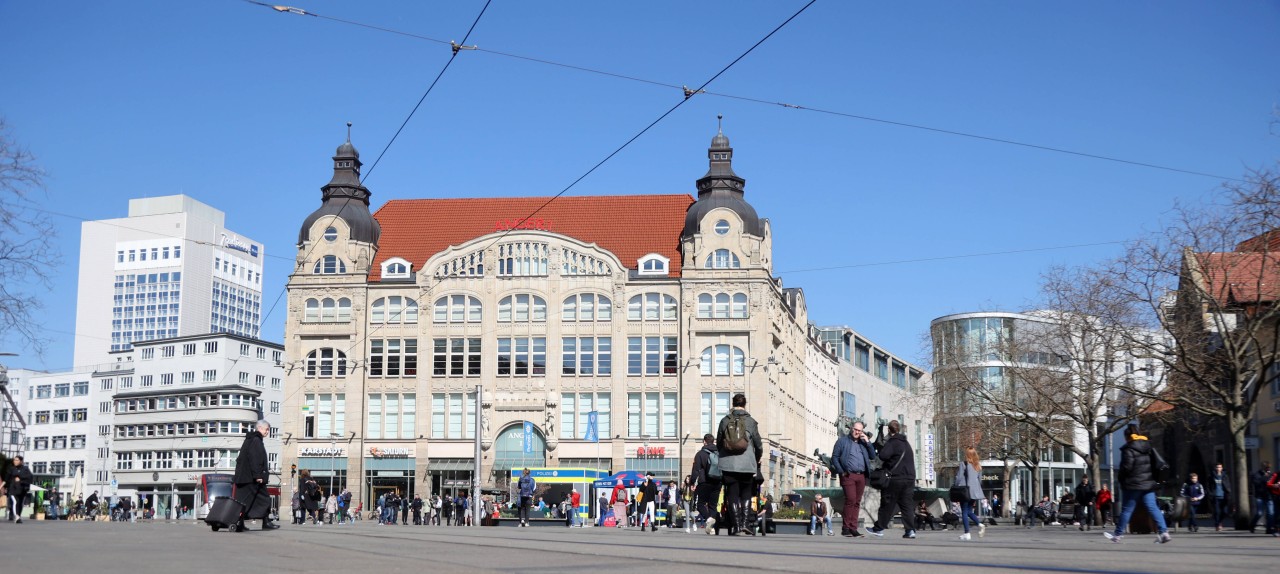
967, 514
816, 522
1220, 506
1264, 506
1131, 502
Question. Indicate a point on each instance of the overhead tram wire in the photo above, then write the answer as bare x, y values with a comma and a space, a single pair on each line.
688, 94
365, 176
798, 107
615, 152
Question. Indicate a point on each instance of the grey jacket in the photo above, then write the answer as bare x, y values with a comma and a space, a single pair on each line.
968, 477
747, 461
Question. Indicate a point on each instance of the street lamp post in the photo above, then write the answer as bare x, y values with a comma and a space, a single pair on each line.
333, 454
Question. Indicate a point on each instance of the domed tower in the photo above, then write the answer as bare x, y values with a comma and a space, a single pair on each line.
722, 230
342, 227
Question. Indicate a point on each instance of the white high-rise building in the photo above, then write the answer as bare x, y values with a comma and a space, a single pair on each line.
169, 269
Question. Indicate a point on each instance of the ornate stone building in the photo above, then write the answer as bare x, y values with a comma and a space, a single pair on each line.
650, 311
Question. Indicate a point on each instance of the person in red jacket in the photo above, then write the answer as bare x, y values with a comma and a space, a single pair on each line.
1103, 503
573, 518
619, 501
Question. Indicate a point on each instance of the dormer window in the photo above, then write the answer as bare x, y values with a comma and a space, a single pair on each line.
396, 268
654, 264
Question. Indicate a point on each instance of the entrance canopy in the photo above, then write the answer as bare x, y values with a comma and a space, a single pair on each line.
628, 478
561, 475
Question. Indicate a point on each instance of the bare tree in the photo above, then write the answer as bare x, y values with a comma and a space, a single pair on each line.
27, 252
1211, 280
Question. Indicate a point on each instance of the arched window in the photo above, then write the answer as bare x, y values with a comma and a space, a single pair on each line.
586, 307
457, 309
329, 265
328, 310
397, 269
522, 308
313, 311
722, 306
651, 307
739, 308
705, 301
723, 259
723, 360
394, 309
326, 362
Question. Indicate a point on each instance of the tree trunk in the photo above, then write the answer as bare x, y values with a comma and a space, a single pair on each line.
1240, 473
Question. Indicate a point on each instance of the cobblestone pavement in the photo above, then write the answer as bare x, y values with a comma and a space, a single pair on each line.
38, 546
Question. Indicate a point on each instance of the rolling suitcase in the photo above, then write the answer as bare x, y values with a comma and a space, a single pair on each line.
224, 513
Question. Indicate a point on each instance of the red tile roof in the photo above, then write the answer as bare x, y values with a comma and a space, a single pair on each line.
629, 226
1242, 278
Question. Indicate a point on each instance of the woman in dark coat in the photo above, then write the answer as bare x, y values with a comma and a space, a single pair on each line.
310, 495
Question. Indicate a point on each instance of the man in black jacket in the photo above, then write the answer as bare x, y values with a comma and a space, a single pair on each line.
1085, 495
897, 457
1138, 465
707, 489
1262, 500
19, 481
251, 478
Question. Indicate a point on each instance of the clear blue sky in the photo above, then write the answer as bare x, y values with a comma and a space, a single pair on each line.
241, 107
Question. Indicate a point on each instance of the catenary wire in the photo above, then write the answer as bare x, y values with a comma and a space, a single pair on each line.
653, 123
365, 176
598, 164
687, 91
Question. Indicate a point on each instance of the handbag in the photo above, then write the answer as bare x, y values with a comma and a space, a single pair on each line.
879, 478
959, 487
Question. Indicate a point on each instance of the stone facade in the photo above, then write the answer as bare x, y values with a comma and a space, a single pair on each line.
651, 310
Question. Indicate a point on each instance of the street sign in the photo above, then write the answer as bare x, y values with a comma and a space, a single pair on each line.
1251, 442
114, 486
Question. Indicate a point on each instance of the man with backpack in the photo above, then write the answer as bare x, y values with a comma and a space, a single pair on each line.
739, 446
527, 486
706, 476
619, 501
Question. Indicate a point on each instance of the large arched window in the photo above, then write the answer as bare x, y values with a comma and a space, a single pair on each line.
457, 309
329, 265
723, 259
326, 362
394, 309
522, 308
723, 360
586, 307
651, 307
328, 310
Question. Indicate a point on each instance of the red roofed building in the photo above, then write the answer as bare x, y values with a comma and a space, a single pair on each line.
650, 311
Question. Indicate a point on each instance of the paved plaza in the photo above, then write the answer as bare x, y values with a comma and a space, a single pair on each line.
37, 546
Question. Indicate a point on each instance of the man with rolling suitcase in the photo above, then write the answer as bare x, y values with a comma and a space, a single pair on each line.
251, 478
